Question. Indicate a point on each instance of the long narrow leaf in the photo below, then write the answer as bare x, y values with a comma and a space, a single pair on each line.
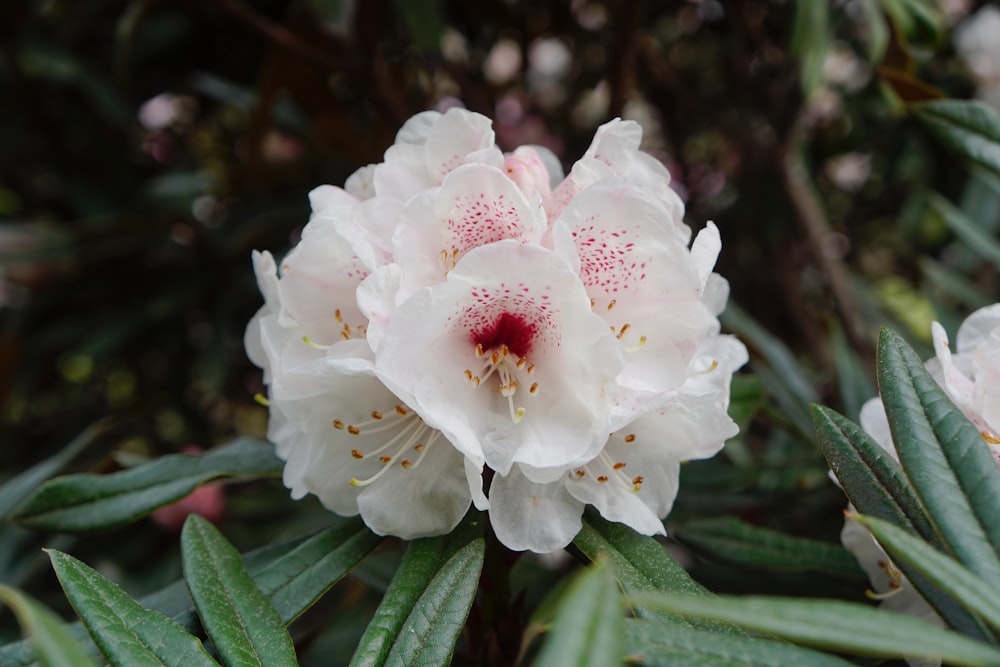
970, 129
431, 630
589, 623
640, 563
975, 594
975, 237
125, 632
834, 625
741, 543
54, 645
421, 563
82, 503
15, 489
944, 457
243, 625
877, 486
654, 644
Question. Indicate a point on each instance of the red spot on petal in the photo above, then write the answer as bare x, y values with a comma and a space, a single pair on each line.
512, 330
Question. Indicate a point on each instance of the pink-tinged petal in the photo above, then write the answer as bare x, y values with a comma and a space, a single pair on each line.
506, 358
533, 517
328, 199
977, 328
526, 168
403, 173
615, 143
453, 137
475, 205
377, 300
986, 392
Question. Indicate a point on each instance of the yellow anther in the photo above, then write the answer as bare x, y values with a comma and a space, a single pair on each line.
337, 424
353, 430
356, 454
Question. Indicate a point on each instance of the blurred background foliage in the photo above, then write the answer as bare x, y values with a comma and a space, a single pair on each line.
146, 147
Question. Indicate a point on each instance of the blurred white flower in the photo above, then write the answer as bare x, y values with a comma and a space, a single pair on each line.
454, 309
977, 43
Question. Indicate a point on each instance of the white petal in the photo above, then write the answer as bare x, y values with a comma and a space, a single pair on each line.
958, 385
429, 499
875, 423
456, 134
533, 517
417, 128
705, 251
361, 184
977, 327
617, 500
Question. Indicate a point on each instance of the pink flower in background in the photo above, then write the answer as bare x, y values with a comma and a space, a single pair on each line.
454, 309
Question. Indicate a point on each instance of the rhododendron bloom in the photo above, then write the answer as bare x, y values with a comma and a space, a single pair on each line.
454, 311
970, 378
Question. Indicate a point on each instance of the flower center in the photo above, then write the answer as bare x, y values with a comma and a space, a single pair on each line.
503, 346
605, 469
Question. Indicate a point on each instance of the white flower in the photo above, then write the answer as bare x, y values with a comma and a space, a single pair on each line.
970, 377
454, 311
343, 435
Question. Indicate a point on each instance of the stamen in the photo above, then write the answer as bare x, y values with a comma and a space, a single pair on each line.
337, 424
989, 438
602, 478
612, 303
261, 399
338, 316
615, 467
353, 430
636, 348
356, 454
630, 437
406, 463
872, 595
401, 410
621, 332
580, 474
414, 435
313, 344
534, 388
376, 414
618, 466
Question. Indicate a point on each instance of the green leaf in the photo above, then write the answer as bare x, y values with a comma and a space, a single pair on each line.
972, 592
834, 625
956, 286
944, 457
979, 240
785, 377
970, 129
54, 645
292, 574
919, 20
422, 561
873, 480
811, 36
18, 487
125, 632
655, 644
82, 503
877, 486
424, 20
735, 541
243, 625
640, 563
293, 582
431, 629
589, 623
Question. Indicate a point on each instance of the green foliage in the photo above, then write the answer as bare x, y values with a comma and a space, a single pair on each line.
970, 129
588, 627
244, 626
55, 646
88, 502
124, 631
830, 624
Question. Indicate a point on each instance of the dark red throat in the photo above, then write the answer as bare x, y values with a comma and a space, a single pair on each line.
510, 330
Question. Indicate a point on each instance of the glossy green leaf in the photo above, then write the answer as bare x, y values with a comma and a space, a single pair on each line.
431, 629
919, 20
18, 487
48, 636
970, 129
735, 541
125, 632
877, 486
979, 596
979, 240
589, 623
951, 470
242, 623
834, 625
422, 561
81, 503
653, 644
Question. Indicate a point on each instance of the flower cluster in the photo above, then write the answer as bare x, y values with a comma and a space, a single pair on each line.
971, 378
456, 319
